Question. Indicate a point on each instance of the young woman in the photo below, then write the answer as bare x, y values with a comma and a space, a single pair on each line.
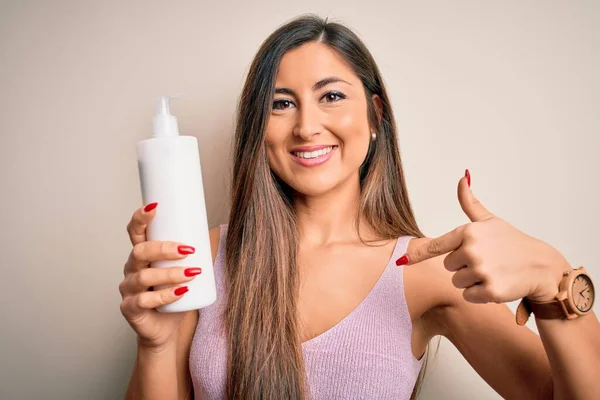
327, 289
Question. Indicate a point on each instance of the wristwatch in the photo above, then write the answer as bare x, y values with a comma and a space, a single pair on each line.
574, 299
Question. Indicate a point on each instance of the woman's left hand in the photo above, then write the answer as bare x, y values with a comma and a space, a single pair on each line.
492, 260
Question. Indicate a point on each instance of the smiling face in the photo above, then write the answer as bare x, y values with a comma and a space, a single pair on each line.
319, 102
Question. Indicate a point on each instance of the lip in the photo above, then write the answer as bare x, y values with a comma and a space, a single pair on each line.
313, 162
312, 148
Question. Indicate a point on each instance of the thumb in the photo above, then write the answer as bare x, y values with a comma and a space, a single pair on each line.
469, 203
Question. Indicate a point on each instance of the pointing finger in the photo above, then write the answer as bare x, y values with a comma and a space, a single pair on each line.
434, 247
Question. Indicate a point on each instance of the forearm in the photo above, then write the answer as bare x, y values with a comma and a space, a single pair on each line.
154, 375
573, 349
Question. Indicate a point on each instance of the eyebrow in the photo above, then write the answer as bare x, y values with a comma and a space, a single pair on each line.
322, 83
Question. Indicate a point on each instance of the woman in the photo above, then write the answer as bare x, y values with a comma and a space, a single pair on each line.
310, 301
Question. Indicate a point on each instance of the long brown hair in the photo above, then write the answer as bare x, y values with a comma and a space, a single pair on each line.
265, 353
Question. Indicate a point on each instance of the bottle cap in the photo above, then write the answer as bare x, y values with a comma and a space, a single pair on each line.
164, 124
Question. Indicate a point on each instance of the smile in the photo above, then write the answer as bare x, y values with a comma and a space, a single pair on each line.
313, 158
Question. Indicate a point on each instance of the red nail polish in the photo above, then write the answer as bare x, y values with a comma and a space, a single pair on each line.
192, 271
150, 207
468, 175
181, 290
402, 260
186, 250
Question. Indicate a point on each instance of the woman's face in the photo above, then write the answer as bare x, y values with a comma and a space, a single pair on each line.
319, 103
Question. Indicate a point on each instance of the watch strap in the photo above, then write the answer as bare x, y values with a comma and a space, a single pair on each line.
548, 310
544, 310
523, 312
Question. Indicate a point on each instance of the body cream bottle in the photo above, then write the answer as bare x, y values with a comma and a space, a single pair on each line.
170, 174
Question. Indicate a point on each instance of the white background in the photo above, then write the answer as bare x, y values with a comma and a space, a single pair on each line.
509, 89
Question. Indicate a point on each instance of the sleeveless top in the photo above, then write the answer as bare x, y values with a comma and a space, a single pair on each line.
367, 355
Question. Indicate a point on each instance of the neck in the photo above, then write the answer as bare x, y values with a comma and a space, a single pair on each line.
330, 217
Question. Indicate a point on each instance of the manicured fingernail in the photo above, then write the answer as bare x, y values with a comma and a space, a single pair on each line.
402, 260
192, 271
181, 290
186, 250
468, 175
150, 207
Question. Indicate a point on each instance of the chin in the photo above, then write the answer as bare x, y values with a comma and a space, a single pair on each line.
317, 186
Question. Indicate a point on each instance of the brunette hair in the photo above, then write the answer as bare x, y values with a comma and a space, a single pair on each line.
264, 351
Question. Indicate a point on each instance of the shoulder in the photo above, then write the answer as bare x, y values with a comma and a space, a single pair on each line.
429, 288
431, 276
214, 235
191, 317
187, 328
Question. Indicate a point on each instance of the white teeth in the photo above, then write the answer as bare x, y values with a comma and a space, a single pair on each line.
313, 154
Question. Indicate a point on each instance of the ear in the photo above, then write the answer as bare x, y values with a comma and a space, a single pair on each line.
378, 107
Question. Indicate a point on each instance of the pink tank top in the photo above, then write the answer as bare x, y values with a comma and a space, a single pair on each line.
367, 355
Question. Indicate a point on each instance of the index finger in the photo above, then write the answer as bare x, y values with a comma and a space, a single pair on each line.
434, 247
136, 228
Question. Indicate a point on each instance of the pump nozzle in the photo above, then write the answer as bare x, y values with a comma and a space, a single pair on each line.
164, 123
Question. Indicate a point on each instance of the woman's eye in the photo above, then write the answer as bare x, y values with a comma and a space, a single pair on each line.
332, 97
281, 104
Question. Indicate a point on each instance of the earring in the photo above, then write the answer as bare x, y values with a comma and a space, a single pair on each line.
373, 136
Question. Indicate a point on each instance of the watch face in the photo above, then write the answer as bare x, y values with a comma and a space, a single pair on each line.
583, 293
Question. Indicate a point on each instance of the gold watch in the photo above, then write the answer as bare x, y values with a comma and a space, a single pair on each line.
574, 299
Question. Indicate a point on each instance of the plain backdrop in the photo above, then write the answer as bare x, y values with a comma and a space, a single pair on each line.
508, 89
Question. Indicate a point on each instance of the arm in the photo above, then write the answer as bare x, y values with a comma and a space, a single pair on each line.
164, 374
153, 374
510, 358
573, 348
160, 374
495, 263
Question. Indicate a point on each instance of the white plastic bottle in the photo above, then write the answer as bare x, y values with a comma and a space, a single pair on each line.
170, 174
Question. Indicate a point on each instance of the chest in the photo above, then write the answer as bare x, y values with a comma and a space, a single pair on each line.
335, 281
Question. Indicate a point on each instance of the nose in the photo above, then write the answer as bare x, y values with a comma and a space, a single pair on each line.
308, 123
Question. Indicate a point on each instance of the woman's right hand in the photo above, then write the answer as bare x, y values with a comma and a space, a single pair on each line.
155, 330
